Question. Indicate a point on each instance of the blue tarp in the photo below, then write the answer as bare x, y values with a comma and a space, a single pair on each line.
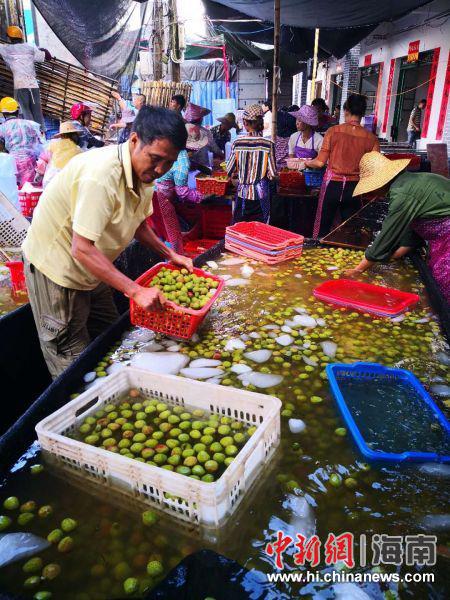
204, 92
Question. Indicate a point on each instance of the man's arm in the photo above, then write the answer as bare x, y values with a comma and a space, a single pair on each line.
146, 236
85, 252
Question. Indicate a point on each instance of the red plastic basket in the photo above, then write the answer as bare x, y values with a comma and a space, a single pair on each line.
266, 236
212, 185
17, 275
292, 180
175, 321
414, 165
366, 297
28, 201
196, 247
215, 220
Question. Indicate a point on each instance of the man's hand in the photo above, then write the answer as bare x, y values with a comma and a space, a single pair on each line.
149, 298
182, 261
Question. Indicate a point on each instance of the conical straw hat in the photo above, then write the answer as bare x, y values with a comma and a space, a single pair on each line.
375, 171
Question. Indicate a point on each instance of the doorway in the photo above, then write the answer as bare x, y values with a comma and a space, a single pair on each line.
369, 86
410, 77
336, 91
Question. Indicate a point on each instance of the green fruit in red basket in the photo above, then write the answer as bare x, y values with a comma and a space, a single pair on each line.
32, 582
68, 525
251, 430
155, 568
224, 430
190, 461
207, 439
45, 511
85, 428
219, 457
33, 565
208, 478
202, 457
130, 585
239, 438
160, 459
198, 470
227, 462
231, 450
211, 466
66, 544
136, 448
174, 460
139, 437
183, 470
147, 453
55, 536
200, 447
124, 443
11, 503
184, 425
51, 571
29, 506
109, 442
195, 434
226, 441
172, 443
25, 518
216, 447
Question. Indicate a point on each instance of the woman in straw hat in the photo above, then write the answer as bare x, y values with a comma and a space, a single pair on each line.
174, 185
59, 151
419, 210
194, 115
253, 157
342, 149
222, 133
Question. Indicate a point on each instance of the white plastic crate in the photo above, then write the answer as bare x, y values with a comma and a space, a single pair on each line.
13, 225
197, 502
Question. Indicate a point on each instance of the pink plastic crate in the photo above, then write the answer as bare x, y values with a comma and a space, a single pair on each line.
265, 236
266, 258
366, 297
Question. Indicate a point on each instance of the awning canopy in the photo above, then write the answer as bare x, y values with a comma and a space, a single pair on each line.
342, 25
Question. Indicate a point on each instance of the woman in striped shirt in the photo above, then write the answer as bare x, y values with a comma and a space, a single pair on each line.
253, 158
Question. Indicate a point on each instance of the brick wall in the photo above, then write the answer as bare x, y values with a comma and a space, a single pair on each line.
351, 73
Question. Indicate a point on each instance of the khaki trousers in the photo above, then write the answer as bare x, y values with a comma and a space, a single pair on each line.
66, 319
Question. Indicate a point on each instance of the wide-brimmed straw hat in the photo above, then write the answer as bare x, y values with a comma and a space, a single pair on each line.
375, 171
66, 127
194, 112
229, 119
253, 112
307, 115
197, 137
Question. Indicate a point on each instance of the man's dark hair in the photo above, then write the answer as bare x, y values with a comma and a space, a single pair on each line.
141, 96
156, 123
320, 102
423, 101
356, 105
293, 108
180, 99
268, 103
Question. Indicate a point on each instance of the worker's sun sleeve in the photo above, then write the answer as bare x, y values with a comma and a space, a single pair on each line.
92, 209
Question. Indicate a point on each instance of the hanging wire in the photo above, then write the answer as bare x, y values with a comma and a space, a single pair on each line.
394, 95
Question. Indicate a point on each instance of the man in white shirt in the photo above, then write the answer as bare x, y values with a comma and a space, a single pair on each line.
20, 58
267, 110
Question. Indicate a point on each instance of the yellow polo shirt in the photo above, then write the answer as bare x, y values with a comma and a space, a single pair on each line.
93, 195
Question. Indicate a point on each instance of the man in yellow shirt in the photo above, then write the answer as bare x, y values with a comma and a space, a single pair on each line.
87, 215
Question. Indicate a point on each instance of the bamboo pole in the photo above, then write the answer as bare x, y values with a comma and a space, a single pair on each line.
314, 73
276, 65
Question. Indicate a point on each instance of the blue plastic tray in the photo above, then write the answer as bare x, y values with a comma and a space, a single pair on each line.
372, 374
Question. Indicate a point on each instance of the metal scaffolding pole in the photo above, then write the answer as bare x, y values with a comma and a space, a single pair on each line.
276, 66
